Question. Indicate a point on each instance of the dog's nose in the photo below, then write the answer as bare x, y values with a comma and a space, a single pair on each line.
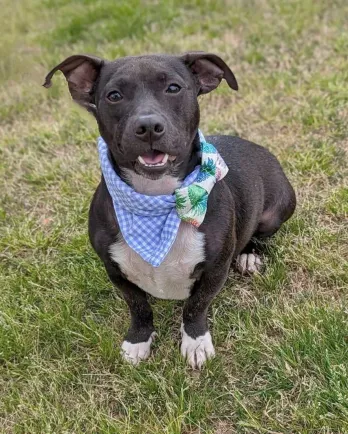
149, 128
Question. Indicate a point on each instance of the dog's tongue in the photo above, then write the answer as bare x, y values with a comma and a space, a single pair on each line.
153, 157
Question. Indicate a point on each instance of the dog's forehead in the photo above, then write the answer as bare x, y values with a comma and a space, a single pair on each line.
139, 67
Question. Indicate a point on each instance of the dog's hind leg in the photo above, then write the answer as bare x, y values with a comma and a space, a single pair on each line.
249, 261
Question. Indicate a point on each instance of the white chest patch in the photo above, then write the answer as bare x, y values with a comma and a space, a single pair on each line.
172, 279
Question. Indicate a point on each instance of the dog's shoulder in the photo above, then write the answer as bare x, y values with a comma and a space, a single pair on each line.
103, 227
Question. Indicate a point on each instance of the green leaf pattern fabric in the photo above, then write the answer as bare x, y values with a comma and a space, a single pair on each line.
192, 201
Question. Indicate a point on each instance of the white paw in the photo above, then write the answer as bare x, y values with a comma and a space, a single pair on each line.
248, 263
198, 350
133, 353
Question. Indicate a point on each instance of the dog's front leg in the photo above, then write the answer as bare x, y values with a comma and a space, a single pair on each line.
137, 343
196, 345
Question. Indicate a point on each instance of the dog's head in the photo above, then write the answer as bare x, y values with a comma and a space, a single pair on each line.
146, 106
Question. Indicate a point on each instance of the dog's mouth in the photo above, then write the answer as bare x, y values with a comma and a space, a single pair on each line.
152, 159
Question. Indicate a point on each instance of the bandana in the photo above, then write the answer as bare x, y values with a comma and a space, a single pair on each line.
149, 224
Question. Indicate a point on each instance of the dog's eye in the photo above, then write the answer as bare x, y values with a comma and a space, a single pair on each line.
114, 96
173, 88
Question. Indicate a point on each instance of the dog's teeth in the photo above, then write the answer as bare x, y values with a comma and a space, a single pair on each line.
171, 157
161, 163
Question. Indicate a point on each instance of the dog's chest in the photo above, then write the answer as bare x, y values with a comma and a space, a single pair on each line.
173, 278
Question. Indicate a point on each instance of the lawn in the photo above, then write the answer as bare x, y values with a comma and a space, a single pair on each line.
282, 337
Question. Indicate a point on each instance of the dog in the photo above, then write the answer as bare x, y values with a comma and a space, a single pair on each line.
148, 115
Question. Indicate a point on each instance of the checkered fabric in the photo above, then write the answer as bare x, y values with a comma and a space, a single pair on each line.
149, 224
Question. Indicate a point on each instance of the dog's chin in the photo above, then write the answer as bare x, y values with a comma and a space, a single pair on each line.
152, 172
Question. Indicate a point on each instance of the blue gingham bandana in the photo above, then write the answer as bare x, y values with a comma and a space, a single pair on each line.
149, 224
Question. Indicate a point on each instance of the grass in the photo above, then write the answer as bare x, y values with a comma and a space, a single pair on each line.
281, 338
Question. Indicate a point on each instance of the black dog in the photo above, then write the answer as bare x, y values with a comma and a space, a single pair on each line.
147, 111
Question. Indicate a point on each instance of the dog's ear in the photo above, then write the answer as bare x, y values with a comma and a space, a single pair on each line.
81, 72
209, 69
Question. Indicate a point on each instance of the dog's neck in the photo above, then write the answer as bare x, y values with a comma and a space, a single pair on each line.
168, 183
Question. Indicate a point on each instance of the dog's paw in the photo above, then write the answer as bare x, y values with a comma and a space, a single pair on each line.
133, 353
248, 263
196, 351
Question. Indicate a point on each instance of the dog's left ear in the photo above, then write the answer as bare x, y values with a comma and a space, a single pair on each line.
209, 69
81, 72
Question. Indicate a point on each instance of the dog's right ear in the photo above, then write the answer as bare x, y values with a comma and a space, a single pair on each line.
81, 73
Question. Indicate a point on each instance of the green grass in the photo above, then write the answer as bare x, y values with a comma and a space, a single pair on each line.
281, 338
